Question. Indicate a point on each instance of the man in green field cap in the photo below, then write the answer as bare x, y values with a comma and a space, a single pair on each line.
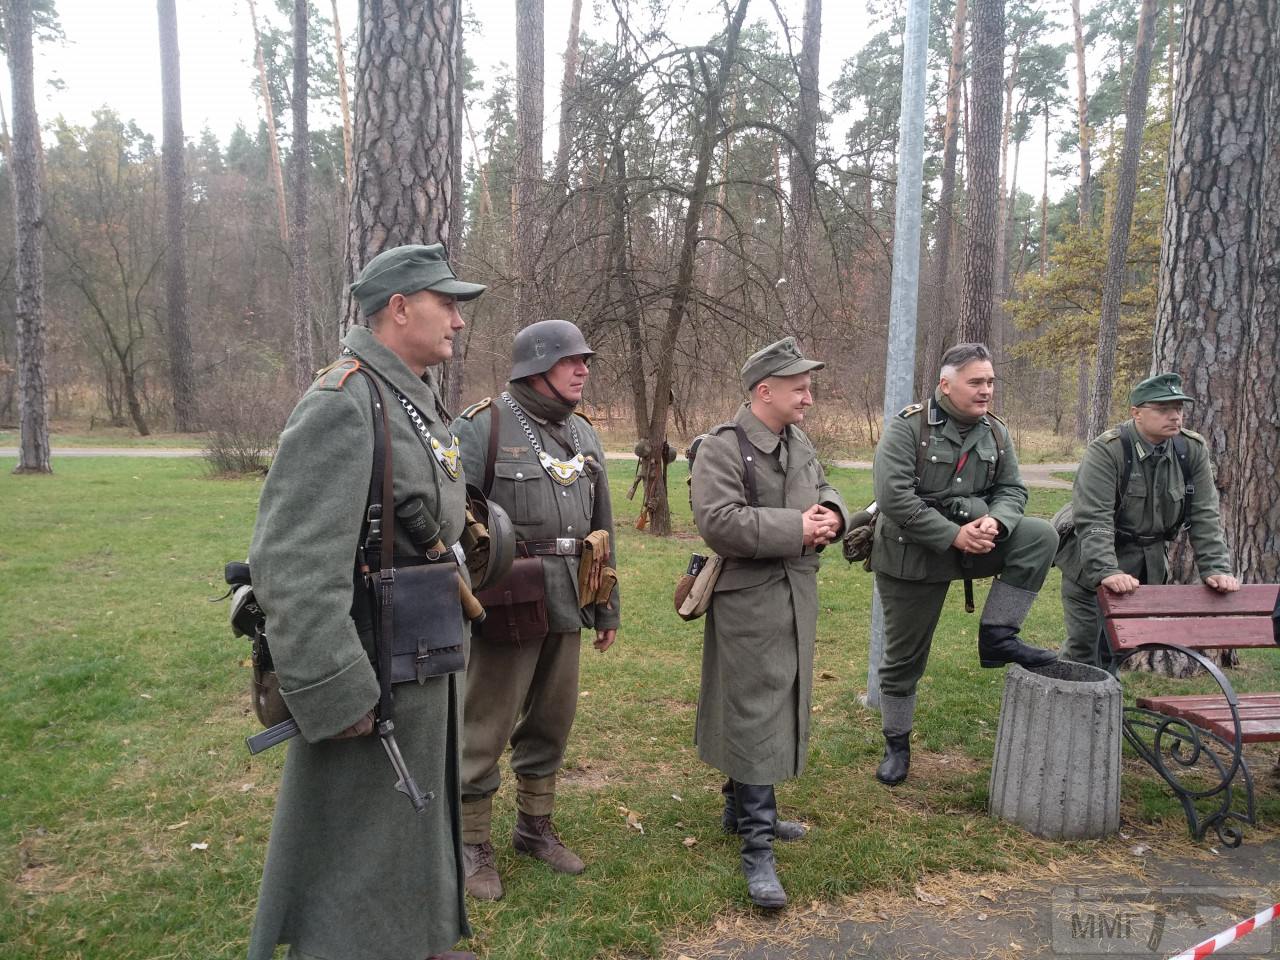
952, 507
352, 871
1139, 484
762, 502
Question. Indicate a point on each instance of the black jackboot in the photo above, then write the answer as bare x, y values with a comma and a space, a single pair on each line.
757, 813
1002, 616
785, 830
897, 758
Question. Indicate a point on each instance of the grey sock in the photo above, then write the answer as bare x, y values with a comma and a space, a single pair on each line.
1006, 605
896, 714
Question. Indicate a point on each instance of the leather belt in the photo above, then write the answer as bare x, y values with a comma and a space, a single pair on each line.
559, 547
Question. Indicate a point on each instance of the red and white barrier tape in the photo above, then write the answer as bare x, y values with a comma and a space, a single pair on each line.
1214, 944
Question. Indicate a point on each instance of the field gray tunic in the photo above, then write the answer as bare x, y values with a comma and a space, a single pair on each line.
758, 643
352, 872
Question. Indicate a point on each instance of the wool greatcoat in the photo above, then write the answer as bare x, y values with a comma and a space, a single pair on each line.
352, 872
761, 627
1151, 505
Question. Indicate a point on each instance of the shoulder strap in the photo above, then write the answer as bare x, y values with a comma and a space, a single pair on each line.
748, 464
922, 442
1126, 467
1183, 454
379, 519
491, 456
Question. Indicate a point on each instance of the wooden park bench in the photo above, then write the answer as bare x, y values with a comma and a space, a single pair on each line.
1177, 734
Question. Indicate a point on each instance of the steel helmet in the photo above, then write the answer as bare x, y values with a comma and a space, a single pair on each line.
538, 347
495, 549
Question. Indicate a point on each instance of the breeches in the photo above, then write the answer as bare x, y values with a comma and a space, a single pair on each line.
526, 694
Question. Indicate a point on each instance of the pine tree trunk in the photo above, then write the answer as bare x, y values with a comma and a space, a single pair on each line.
942, 322
404, 131
343, 97
983, 162
567, 94
177, 321
1082, 118
273, 140
799, 287
33, 405
455, 370
524, 211
1118, 246
1216, 312
303, 359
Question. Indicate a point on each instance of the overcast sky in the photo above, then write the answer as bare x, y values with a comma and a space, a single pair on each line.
111, 56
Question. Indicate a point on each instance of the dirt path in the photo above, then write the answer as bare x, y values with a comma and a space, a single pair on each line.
1149, 905
1035, 474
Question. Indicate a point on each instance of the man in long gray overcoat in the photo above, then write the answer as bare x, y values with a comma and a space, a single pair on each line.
762, 501
352, 872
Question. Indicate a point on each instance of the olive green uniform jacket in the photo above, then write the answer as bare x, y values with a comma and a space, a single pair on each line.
352, 872
913, 541
761, 627
1151, 506
528, 695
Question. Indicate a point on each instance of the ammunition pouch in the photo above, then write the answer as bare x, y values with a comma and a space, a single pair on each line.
516, 607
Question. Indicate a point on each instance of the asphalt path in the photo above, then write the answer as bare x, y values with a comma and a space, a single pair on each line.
1035, 474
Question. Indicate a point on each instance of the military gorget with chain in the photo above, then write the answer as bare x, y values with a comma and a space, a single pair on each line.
563, 472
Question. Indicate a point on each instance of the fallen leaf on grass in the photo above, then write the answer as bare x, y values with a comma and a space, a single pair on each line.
827, 675
677, 798
200, 846
1140, 850
987, 895
177, 826
690, 841
925, 897
634, 822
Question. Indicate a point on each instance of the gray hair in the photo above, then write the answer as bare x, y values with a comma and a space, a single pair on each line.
960, 356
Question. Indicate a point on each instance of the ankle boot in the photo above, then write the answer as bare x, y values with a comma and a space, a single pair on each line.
481, 876
757, 812
897, 758
535, 836
1002, 616
784, 830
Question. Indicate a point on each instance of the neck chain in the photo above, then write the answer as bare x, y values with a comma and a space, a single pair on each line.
447, 457
563, 472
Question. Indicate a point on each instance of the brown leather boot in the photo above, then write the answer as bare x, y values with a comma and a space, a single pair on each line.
482, 880
536, 837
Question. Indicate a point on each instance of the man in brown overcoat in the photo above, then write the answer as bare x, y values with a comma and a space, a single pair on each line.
762, 501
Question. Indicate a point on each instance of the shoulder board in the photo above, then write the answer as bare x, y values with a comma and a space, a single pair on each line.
1109, 435
579, 413
998, 419
720, 428
1194, 436
475, 408
335, 375
910, 410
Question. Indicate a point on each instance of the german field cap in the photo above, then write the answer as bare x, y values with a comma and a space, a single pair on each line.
781, 359
407, 270
1161, 388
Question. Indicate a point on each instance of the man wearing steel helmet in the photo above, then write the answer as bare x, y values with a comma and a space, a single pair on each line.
352, 870
1121, 524
542, 461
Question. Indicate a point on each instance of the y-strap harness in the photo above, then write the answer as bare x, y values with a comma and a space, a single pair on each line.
1181, 451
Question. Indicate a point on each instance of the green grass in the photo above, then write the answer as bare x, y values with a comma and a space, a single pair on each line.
78, 436
123, 707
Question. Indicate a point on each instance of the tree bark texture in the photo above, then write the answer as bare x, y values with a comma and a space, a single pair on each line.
33, 406
303, 358
799, 289
1219, 290
1122, 220
656, 504
455, 370
524, 210
182, 378
1082, 117
983, 157
568, 90
942, 322
404, 130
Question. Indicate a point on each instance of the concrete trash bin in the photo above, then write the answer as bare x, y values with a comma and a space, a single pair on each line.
1056, 769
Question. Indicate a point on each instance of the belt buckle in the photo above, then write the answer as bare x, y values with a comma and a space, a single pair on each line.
564, 546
